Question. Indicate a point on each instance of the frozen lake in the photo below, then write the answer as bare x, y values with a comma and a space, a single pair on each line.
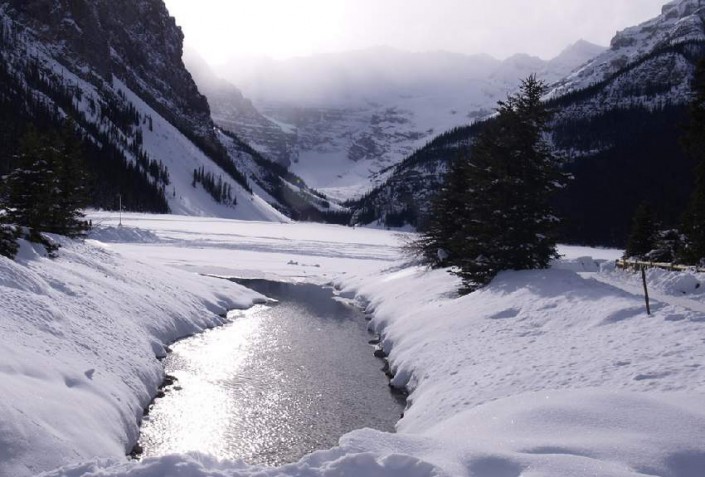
278, 382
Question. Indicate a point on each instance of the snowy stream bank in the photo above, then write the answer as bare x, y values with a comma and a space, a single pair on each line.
79, 338
542, 373
276, 383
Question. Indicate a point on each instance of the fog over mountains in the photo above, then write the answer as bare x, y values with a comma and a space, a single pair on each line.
618, 123
339, 120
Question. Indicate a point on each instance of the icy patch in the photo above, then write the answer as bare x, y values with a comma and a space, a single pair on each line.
122, 234
579, 264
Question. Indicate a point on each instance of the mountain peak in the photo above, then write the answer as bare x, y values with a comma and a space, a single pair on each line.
582, 47
681, 8
578, 53
680, 22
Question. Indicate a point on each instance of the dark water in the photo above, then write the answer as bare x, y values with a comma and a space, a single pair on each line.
278, 382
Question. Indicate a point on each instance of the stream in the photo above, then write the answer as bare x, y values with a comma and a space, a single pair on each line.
276, 383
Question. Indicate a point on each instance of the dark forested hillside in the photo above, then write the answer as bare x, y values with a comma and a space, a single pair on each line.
644, 163
634, 155
619, 137
114, 69
111, 172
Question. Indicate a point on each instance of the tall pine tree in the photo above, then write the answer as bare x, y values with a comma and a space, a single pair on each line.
47, 187
494, 212
643, 235
693, 251
32, 183
73, 194
438, 244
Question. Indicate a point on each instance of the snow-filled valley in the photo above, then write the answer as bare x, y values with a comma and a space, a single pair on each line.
555, 372
339, 121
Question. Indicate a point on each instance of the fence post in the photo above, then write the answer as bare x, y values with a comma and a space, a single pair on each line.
646, 290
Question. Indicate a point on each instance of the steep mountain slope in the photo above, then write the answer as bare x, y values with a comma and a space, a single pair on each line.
233, 112
337, 120
115, 70
618, 121
680, 22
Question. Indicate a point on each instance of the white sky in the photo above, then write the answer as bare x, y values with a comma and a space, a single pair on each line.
221, 29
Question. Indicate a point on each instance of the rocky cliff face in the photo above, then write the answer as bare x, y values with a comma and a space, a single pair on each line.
115, 69
135, 40
681, 23
234, 112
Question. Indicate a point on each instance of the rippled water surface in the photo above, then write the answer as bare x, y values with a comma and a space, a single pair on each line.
278, 382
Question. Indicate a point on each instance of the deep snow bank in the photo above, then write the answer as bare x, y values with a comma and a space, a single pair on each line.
542, 373
78, 339
526, 332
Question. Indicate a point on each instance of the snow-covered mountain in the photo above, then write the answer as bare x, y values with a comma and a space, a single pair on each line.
116, 70
634, 49
618, 121
232, 111
337, 120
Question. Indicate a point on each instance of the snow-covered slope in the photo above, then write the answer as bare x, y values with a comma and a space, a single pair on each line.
551, 373
115, 70
165, 143
339, 119
680, 22
79, 337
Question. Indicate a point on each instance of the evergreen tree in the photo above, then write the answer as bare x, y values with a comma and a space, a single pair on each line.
32, 183
494, 212
438, 241
8, 240
509, 223
667, 246
47, 188
694, 142
73, 194
643, 236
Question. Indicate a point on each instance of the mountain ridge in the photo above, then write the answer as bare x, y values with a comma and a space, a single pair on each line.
116, 70
615, 129
373, 108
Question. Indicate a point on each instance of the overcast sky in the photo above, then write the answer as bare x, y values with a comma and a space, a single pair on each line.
220, 29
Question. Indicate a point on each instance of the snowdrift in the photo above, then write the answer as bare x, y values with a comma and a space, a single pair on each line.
79, 338
542, 373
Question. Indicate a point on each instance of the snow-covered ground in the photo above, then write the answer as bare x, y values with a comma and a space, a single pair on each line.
78, 339
543, 373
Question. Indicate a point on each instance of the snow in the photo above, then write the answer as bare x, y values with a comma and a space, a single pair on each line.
684, 289
571, 252
679, 22
351, 116
163, 142
274, 251
79, 335
542, 373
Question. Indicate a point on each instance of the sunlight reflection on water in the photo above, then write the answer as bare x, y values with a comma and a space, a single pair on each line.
278, 382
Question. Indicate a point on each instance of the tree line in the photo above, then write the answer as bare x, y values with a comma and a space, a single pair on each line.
494, 210
648, 240
221, 191
45, 190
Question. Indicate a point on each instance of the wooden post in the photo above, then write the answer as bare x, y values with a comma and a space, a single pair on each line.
646, 290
